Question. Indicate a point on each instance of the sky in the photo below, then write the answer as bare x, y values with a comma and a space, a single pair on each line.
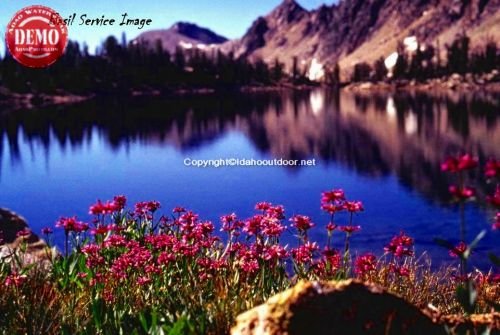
230, 18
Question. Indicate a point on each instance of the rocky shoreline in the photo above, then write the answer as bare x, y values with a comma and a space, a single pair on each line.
14, 101
489, 82
15, 234
339, 307
457, 82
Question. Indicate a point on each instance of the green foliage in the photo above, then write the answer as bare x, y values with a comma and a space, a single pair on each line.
362, 72
134, 274
425, 62
401, 68
119, 68
277, 71
458, 55
380, 70
467, 296
182, 327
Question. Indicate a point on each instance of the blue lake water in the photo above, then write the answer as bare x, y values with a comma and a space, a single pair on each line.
382, 149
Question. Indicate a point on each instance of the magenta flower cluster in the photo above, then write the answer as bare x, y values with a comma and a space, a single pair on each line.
121, 244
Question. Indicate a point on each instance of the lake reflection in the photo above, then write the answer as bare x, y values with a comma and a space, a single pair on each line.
384, 149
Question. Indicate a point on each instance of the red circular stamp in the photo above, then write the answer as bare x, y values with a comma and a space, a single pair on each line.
36, 36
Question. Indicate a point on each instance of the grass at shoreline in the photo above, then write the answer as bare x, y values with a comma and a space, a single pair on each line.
139, 272
136, 272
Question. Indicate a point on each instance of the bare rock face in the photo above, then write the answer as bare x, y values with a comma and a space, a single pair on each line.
337, 308
355, 31
181, 32
11, 224
255, 39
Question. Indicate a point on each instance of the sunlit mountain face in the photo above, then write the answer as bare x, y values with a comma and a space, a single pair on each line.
357, 31
384, 149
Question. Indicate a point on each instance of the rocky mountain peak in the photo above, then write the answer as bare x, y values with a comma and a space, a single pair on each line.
198, 33
180, 34
354, 31
287, 12
348, 32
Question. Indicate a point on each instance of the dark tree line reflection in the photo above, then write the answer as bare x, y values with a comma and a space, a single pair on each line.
406, 135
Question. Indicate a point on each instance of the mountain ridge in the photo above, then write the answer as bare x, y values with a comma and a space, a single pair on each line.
356, 31
183, 34
347, 33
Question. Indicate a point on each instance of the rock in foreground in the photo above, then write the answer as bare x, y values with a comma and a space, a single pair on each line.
11, 226
340, 308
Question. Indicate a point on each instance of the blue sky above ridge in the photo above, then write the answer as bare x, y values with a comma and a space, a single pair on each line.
229, 18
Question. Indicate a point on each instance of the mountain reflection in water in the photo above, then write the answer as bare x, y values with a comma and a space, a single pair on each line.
404, 134
372, 135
